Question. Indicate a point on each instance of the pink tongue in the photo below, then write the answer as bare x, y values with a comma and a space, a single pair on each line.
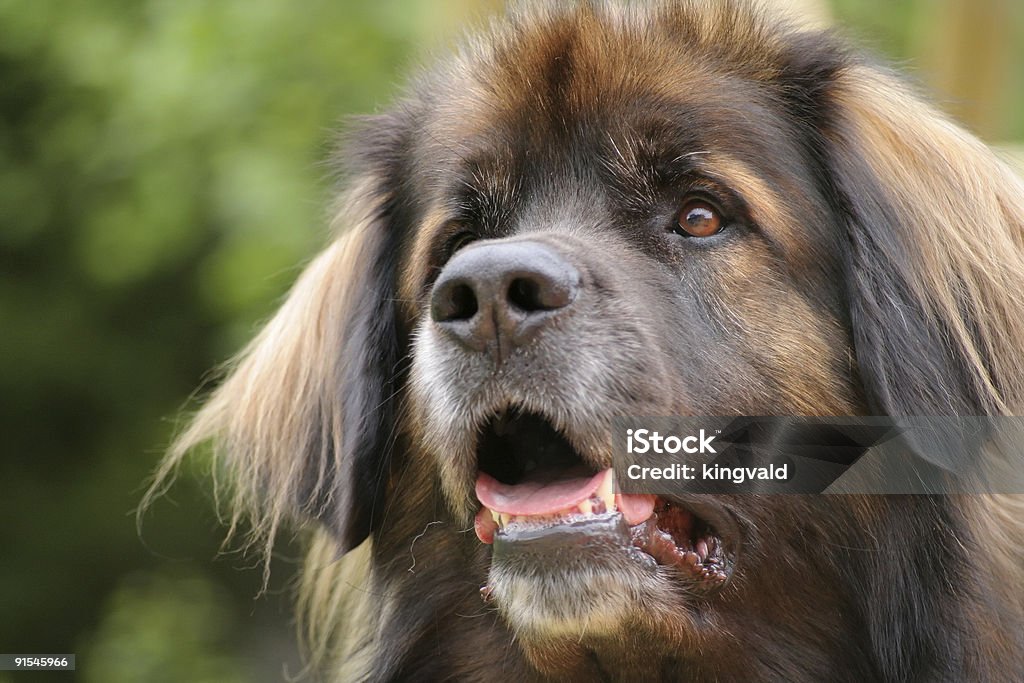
635, 507
535, 497
543, 498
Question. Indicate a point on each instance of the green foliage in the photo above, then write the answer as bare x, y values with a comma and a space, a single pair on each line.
157, 628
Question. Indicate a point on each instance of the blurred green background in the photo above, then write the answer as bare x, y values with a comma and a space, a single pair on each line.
162, 180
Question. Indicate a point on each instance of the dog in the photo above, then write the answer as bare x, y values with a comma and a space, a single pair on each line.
599, 210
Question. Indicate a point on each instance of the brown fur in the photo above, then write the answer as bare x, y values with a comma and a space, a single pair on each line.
874, 266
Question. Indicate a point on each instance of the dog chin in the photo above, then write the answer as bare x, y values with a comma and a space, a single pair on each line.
571, 579
568, 603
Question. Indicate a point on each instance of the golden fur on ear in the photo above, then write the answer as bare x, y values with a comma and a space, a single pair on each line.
941, 252
337, 599
951, 224
276, 422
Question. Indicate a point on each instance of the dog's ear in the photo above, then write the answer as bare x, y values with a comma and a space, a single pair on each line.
935, 268
300, 423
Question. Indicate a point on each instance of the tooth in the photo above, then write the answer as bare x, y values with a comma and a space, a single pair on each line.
505, 518
586, 507
606, 491
496, 517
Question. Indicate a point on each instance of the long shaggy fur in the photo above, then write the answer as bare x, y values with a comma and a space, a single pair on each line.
889, 283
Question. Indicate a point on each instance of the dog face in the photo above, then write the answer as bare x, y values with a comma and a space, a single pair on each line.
600, 212
596, 246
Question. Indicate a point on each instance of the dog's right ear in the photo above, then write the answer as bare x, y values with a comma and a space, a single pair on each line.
936, 253
299, 427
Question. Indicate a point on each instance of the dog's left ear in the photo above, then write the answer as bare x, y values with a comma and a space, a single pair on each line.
300, 426
935, 268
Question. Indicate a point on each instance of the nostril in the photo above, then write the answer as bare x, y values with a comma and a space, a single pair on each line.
464, 304
457, 301
525, 295
539, 293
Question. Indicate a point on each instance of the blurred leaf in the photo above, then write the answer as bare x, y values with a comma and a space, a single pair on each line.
158, 628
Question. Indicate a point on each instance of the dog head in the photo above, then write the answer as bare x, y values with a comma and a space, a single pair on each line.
605, 211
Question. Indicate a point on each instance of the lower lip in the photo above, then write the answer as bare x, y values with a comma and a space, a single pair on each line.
570, 542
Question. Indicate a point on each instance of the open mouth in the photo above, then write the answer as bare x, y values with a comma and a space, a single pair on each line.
536, 490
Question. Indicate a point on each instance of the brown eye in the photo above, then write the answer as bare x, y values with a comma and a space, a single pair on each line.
459, 241
699, 219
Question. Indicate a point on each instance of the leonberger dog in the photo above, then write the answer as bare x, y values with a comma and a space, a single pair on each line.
601, 209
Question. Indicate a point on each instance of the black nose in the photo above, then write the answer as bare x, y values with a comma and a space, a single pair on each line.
495, 296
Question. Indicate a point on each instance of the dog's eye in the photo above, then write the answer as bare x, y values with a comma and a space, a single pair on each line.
458, 241
698, 218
